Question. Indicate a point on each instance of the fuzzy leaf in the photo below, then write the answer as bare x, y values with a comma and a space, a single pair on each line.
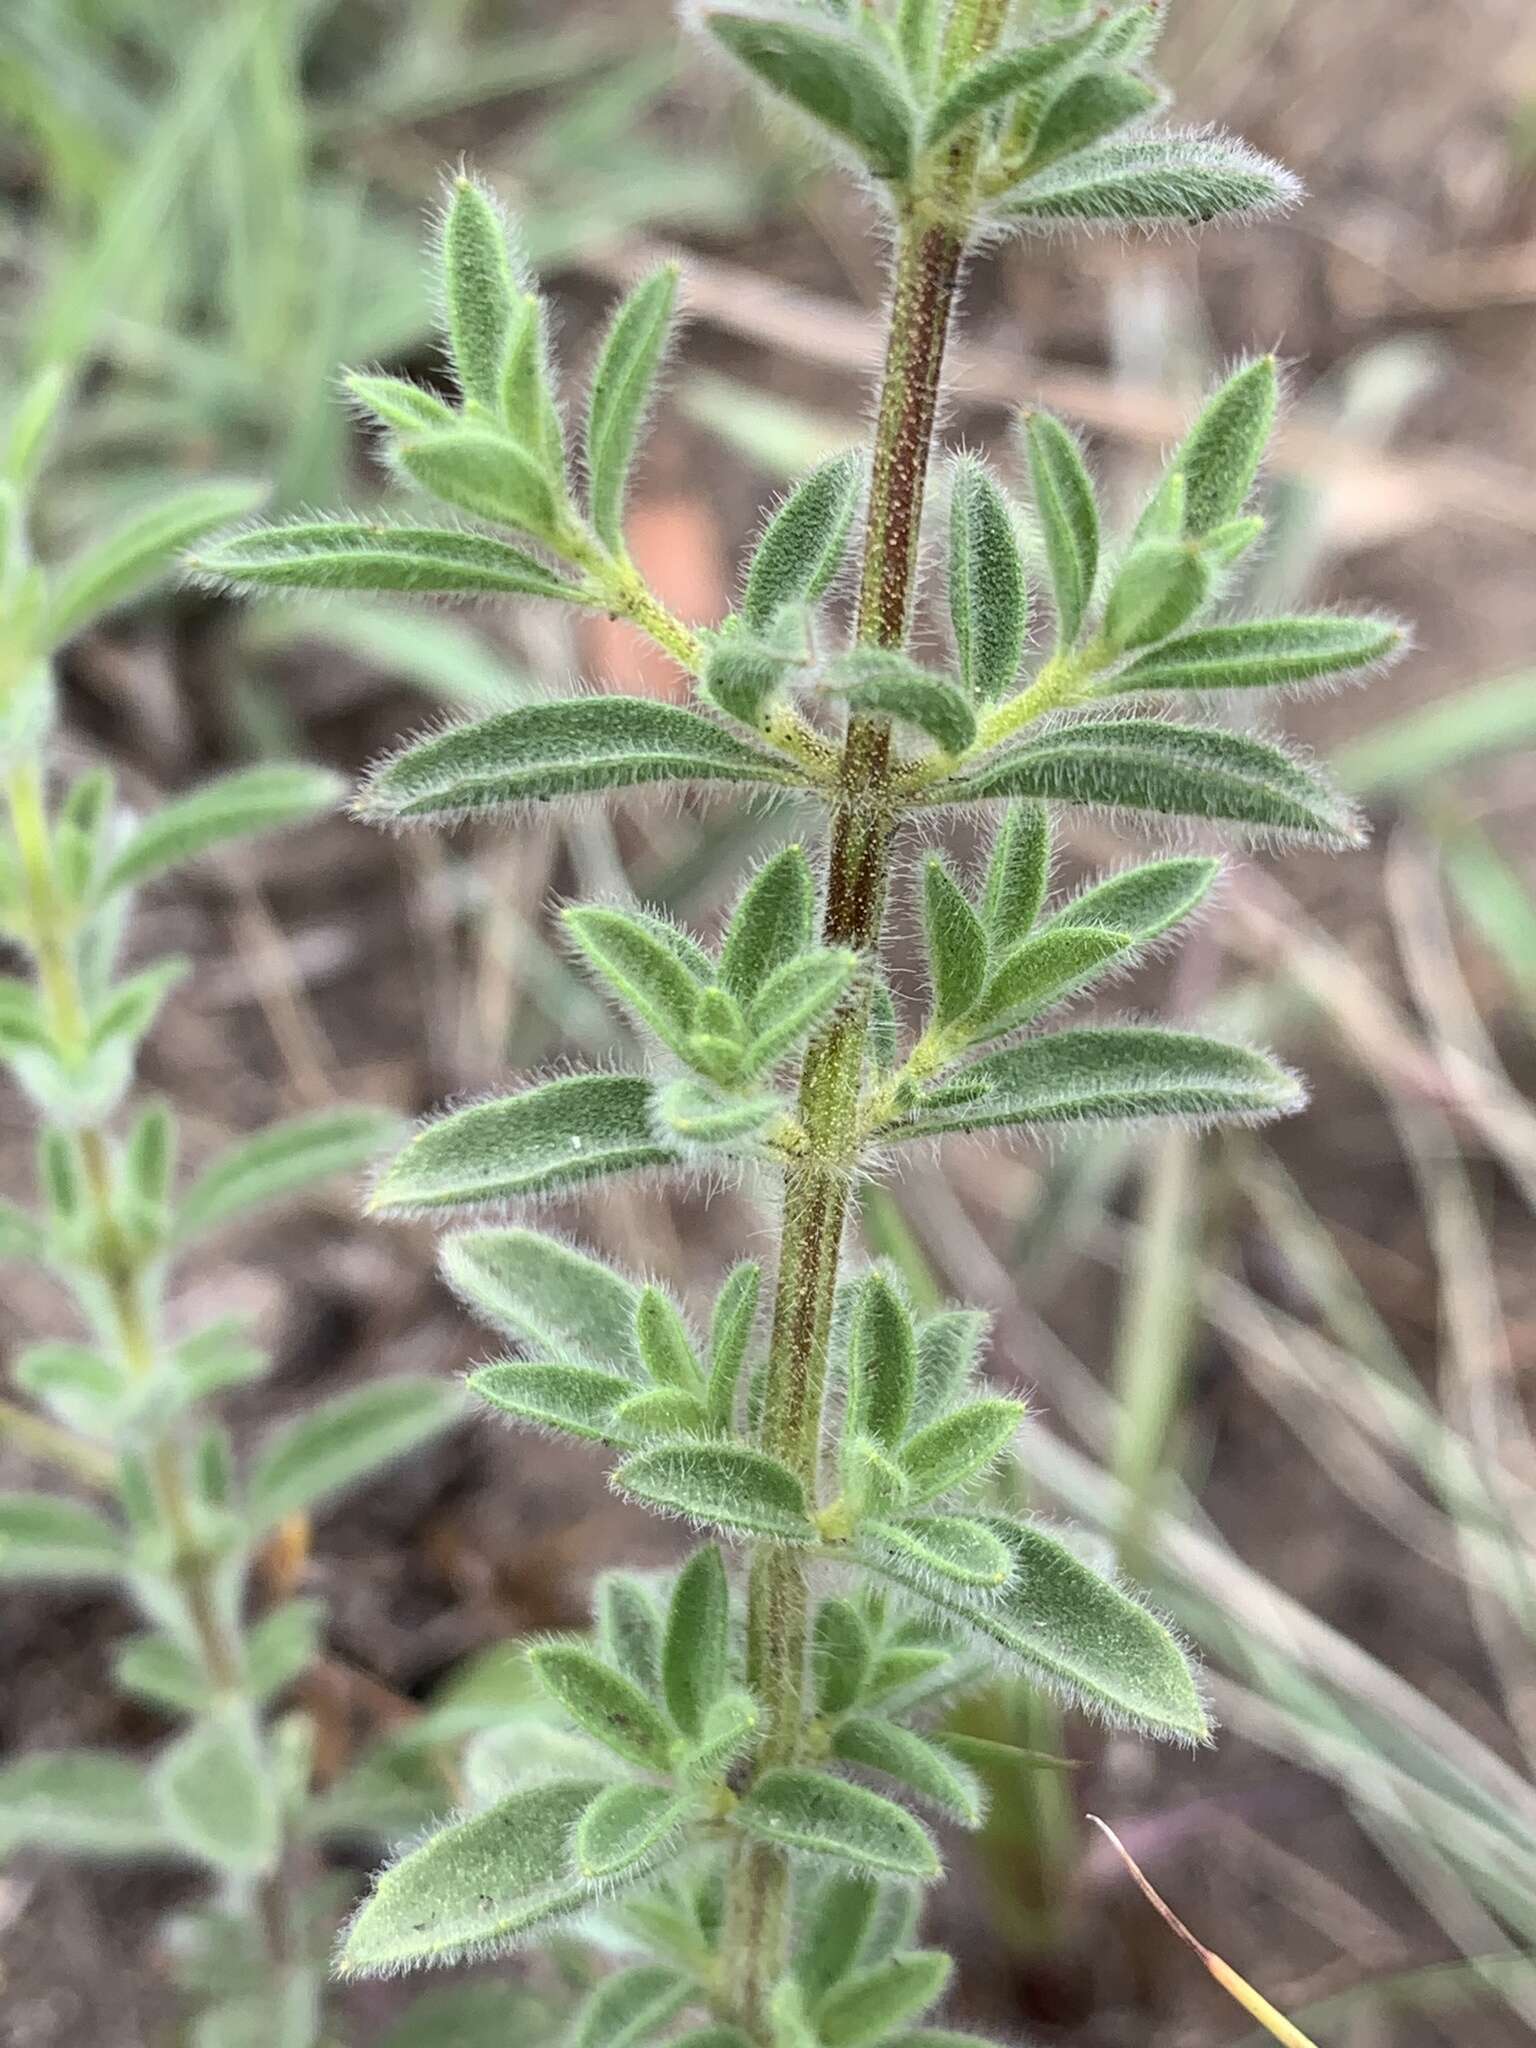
1073, 1630
1040, 972
277, 1162
956, 941
695, 1656
82, 1802
577, 1399
398, 402
622, 385
1220, 458
837, 1925
366, 554
663, 1412
630, 2006
45, 1537
896, 1752
1149, 180
229, 807
819, 1815
346, 1438
988, 595
540, 751
1018, 873
528, 404
1090, 109
697, 1115
953, 1546
216, 1799
884, 683
630, 1629
729, 1336
743, 675
1069, 519
142, 550
863, 2010
546, 1294
771, 925
1030, 69
726, 1733
838, 81
792, 1002
730, 1485
1143, 901
627, 1827
478, 289
957, 1445
609, 1706
803, 543
662, 1341
1160, 587
1181, 771
542, 1142
841, 1652
476, 1885
646, 974
486, 474
882, 1364
948, 1345
1258, 654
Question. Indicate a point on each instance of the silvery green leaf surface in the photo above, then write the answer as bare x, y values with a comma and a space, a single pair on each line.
487, 474
644, 971
956, 1547
228, 807
1029, 71
793, 1001
273, 1164
398, 402
896, 1752
696, 1651
373, 554
1258, 654
630, 1628
731, 1486
478, 290
547, 1294
344, 1439
215, 1796
882, 1363
577, 1400
43, 1536
841, 1913
1220, 457
1088, 110
1159, 177
949, 1343
814, 1814
773, 922
549, 1139
1067, 510
631, 2006
956, 943
1018, 873
986, 587
865, 2007
841, 1650
626, 1827
1142, 901
834, 77
697, 1114
80, 1802
610, 1707
573, 748
1040, 972
884, 683
622, 386
1161, 585
141, 551
730, 1336
803, 543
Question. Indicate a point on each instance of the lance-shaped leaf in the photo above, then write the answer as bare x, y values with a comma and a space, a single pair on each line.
697, 1114
275, 1163
486, 474
838, 81
665, 1347
730, 1333
1069, 519
578, 1400
1031, 71
644, 971
630, 1629
217, 1798
1089, 109
542, 1142
344, 1439
956, 1547
792, 1002
803, 543
729, 1485
882, 1363
229, 807
81, 1802
1180, 771
367, 554
837, 1926
1018, 873
138, 554
957, 1446
1220, 458
866, 2007
627, 1828
988, 595
842, 1649
1110, 1073
1073, 1629
479, 1885
1039, 972
478, 290
1258, 654
573, 748
398, 402
1160, 587
956, 941
1149, 180
948, 1345
724, 1737
528, 403
744, 673
609, 1706
1143, 901
547, 1294
695, 1655
771, 925
622, 385
630, 2006
817, 1815
45, 1537
884, 683
896, 1752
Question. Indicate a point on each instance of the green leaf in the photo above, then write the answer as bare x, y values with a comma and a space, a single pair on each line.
1143, 901
610, 1707
228, 807
1088, 110
882, 1363
1160, 587
478, 1885
279, 1161
646, 974
81, 1802
528, 404
1181, 771
630, 1629
576, 1399
743, 675
1220, 458
699, 1115
216, 1798
20, 1237
372, 554
838, 81
1149, 180
803, 543
883, 683
1018, 873
662, 1413
1259, 654
948, 1345
662, 1341
626, 1828
539, 751
956, 941
486, 474
1031, 69
542, 1142
1111, 1073
631, 2006
282, 1645
1069, 519
723, 2036
546, 1294
842, 1649
475, 2015
478, 290
730, 1335
922, 1768
139, 553
622, 385
960, 1444
45, 1537
988, 595
344, 1439
726, 1734
842, 1908
793, 1001
953, 1546
84, 1390
1039, 972
771, 925
695, 1657
729, 1485
865, 2007
131, 1007
818, 1815
398, 402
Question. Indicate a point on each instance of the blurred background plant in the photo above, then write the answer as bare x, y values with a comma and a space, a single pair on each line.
1289, 1377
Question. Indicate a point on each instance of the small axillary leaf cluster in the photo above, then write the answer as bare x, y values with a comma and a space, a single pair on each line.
737, 1767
